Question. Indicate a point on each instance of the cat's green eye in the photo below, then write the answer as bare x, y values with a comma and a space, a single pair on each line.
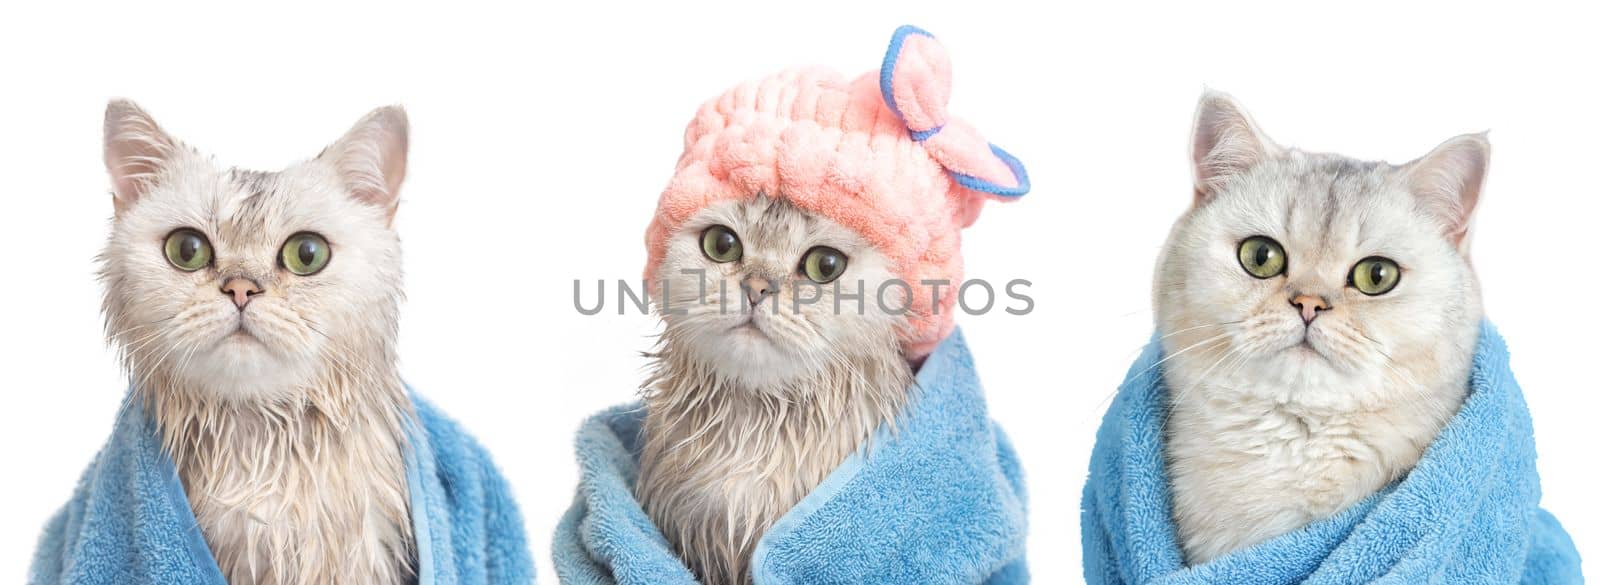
721, 245
188, 250
305, 253
1375, 275
1262, 257
823, 264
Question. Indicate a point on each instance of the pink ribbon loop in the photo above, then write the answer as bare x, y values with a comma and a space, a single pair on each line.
915, 82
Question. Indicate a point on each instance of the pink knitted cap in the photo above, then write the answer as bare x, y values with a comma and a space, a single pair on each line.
878, 155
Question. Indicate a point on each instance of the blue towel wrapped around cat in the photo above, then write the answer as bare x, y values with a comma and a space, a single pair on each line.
938, 500
130, 522
1467, 513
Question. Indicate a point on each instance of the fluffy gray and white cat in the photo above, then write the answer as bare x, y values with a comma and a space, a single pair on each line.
754, 398
256, 313
1320, 314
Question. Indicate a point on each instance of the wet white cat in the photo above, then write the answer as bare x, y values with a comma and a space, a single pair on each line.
257, 315
755, 398
1320, 314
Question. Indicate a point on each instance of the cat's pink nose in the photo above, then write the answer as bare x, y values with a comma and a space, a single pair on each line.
241, 289
758, 288
1309, 306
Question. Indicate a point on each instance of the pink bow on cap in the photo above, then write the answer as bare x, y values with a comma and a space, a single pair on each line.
915, 81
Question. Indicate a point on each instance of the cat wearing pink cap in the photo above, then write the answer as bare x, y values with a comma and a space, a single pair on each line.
804, 258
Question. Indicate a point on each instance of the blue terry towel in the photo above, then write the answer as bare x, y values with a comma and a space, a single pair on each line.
1467, 513
939, 501
129, 520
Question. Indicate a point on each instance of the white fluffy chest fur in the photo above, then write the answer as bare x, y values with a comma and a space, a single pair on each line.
1248, 463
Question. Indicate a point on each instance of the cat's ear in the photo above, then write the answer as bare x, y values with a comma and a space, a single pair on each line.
1449, 181
136, 149
1225, 142
371, 157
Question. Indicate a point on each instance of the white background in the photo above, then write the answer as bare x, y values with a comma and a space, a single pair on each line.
541, 138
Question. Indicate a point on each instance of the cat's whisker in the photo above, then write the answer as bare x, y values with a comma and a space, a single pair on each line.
155, 367
1238, 351
1203, 326
1108, 397
136, 345
1178, 353
1388, 360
